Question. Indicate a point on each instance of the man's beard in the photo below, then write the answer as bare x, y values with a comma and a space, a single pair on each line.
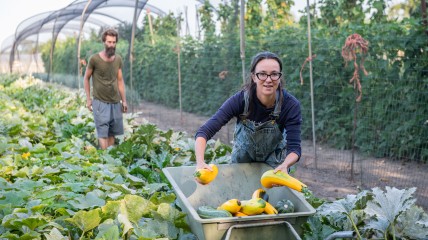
110, 51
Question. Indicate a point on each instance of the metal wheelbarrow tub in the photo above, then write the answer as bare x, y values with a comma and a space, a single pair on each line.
235, 181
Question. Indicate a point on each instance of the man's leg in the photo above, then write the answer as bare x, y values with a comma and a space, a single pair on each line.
111, 140
104, 142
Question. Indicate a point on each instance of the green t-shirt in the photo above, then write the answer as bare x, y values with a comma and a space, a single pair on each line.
104, 78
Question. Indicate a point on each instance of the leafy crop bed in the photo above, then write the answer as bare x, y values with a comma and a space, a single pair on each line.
56, 184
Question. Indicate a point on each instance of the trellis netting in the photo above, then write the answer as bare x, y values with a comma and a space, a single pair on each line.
388, 124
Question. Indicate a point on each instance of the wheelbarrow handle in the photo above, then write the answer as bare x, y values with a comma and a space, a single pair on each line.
262, 224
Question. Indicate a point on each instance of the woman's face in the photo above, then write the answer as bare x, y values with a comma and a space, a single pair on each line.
268, 86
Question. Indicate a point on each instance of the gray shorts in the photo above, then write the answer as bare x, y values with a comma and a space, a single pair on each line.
108, 118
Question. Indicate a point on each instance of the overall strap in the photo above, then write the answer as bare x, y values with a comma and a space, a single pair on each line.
277, 111
244, 115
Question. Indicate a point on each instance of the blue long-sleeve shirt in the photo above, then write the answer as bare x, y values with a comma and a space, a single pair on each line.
290, 118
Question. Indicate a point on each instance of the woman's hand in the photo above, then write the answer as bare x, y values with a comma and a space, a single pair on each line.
288, 162
200, 146
283, 168
201, 165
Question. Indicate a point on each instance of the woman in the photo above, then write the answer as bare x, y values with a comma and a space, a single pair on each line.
268, 119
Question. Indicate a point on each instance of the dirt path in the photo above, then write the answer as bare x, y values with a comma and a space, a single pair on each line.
329, 177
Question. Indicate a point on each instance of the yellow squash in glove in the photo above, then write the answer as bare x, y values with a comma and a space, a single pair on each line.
270, 179
205, 176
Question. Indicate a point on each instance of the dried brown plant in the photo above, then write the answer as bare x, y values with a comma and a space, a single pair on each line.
354, 45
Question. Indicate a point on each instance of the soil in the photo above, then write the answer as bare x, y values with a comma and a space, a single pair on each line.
328, 175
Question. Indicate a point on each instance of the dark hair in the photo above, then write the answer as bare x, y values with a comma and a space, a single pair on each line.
250, 85
110, 32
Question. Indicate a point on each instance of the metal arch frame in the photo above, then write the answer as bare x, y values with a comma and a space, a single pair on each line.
29, 31
36, 27
73, 9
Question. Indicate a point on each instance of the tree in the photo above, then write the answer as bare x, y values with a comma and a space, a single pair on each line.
207, 22
341, 12
403, 10
278, 13
253, 17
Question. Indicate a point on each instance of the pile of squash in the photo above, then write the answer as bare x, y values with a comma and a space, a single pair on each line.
269, 178
258, 204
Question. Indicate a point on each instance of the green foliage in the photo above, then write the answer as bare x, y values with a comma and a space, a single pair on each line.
207, 22
391, 116
253, 17
374, 214
59, 186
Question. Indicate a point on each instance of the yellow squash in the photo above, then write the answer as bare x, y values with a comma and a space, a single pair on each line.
270, 179
269, 209
232, 206
239, 214
253, 206
260, 193
205, 176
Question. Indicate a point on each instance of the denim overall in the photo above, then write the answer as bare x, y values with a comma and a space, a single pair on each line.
259, 142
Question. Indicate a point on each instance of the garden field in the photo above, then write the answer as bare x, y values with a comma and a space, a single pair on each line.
56, 184
331, 179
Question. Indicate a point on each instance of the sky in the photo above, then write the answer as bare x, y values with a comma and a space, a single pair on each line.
13, 12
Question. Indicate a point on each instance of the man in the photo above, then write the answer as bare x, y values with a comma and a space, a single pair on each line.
109, 100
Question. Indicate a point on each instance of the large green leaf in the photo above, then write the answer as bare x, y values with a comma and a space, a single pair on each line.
33, 222
387, 206
390, 204
17, 198
86, 220
316, 230
13, 221
127, 225
111, 209
152, 188
162, 197
137, 207
346, 205
108, 230
54, 234
90, 200
169, 213
413, 223
121, 187
157, 228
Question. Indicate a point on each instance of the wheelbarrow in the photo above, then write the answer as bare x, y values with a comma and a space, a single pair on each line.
239, 181
263, 230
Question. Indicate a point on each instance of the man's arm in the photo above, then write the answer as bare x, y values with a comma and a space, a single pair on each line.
121, 87
87, 87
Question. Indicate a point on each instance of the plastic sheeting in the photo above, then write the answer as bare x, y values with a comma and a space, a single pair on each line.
49, 25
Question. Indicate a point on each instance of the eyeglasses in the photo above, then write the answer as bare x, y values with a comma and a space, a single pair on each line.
273, 76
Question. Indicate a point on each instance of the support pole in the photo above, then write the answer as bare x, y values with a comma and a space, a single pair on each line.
312, 85
79, 42
150, 26
179, 70
51, 52
242, 38
131, 55
424, 15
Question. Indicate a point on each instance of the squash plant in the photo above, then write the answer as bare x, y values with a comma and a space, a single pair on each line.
55, 184
374, 214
